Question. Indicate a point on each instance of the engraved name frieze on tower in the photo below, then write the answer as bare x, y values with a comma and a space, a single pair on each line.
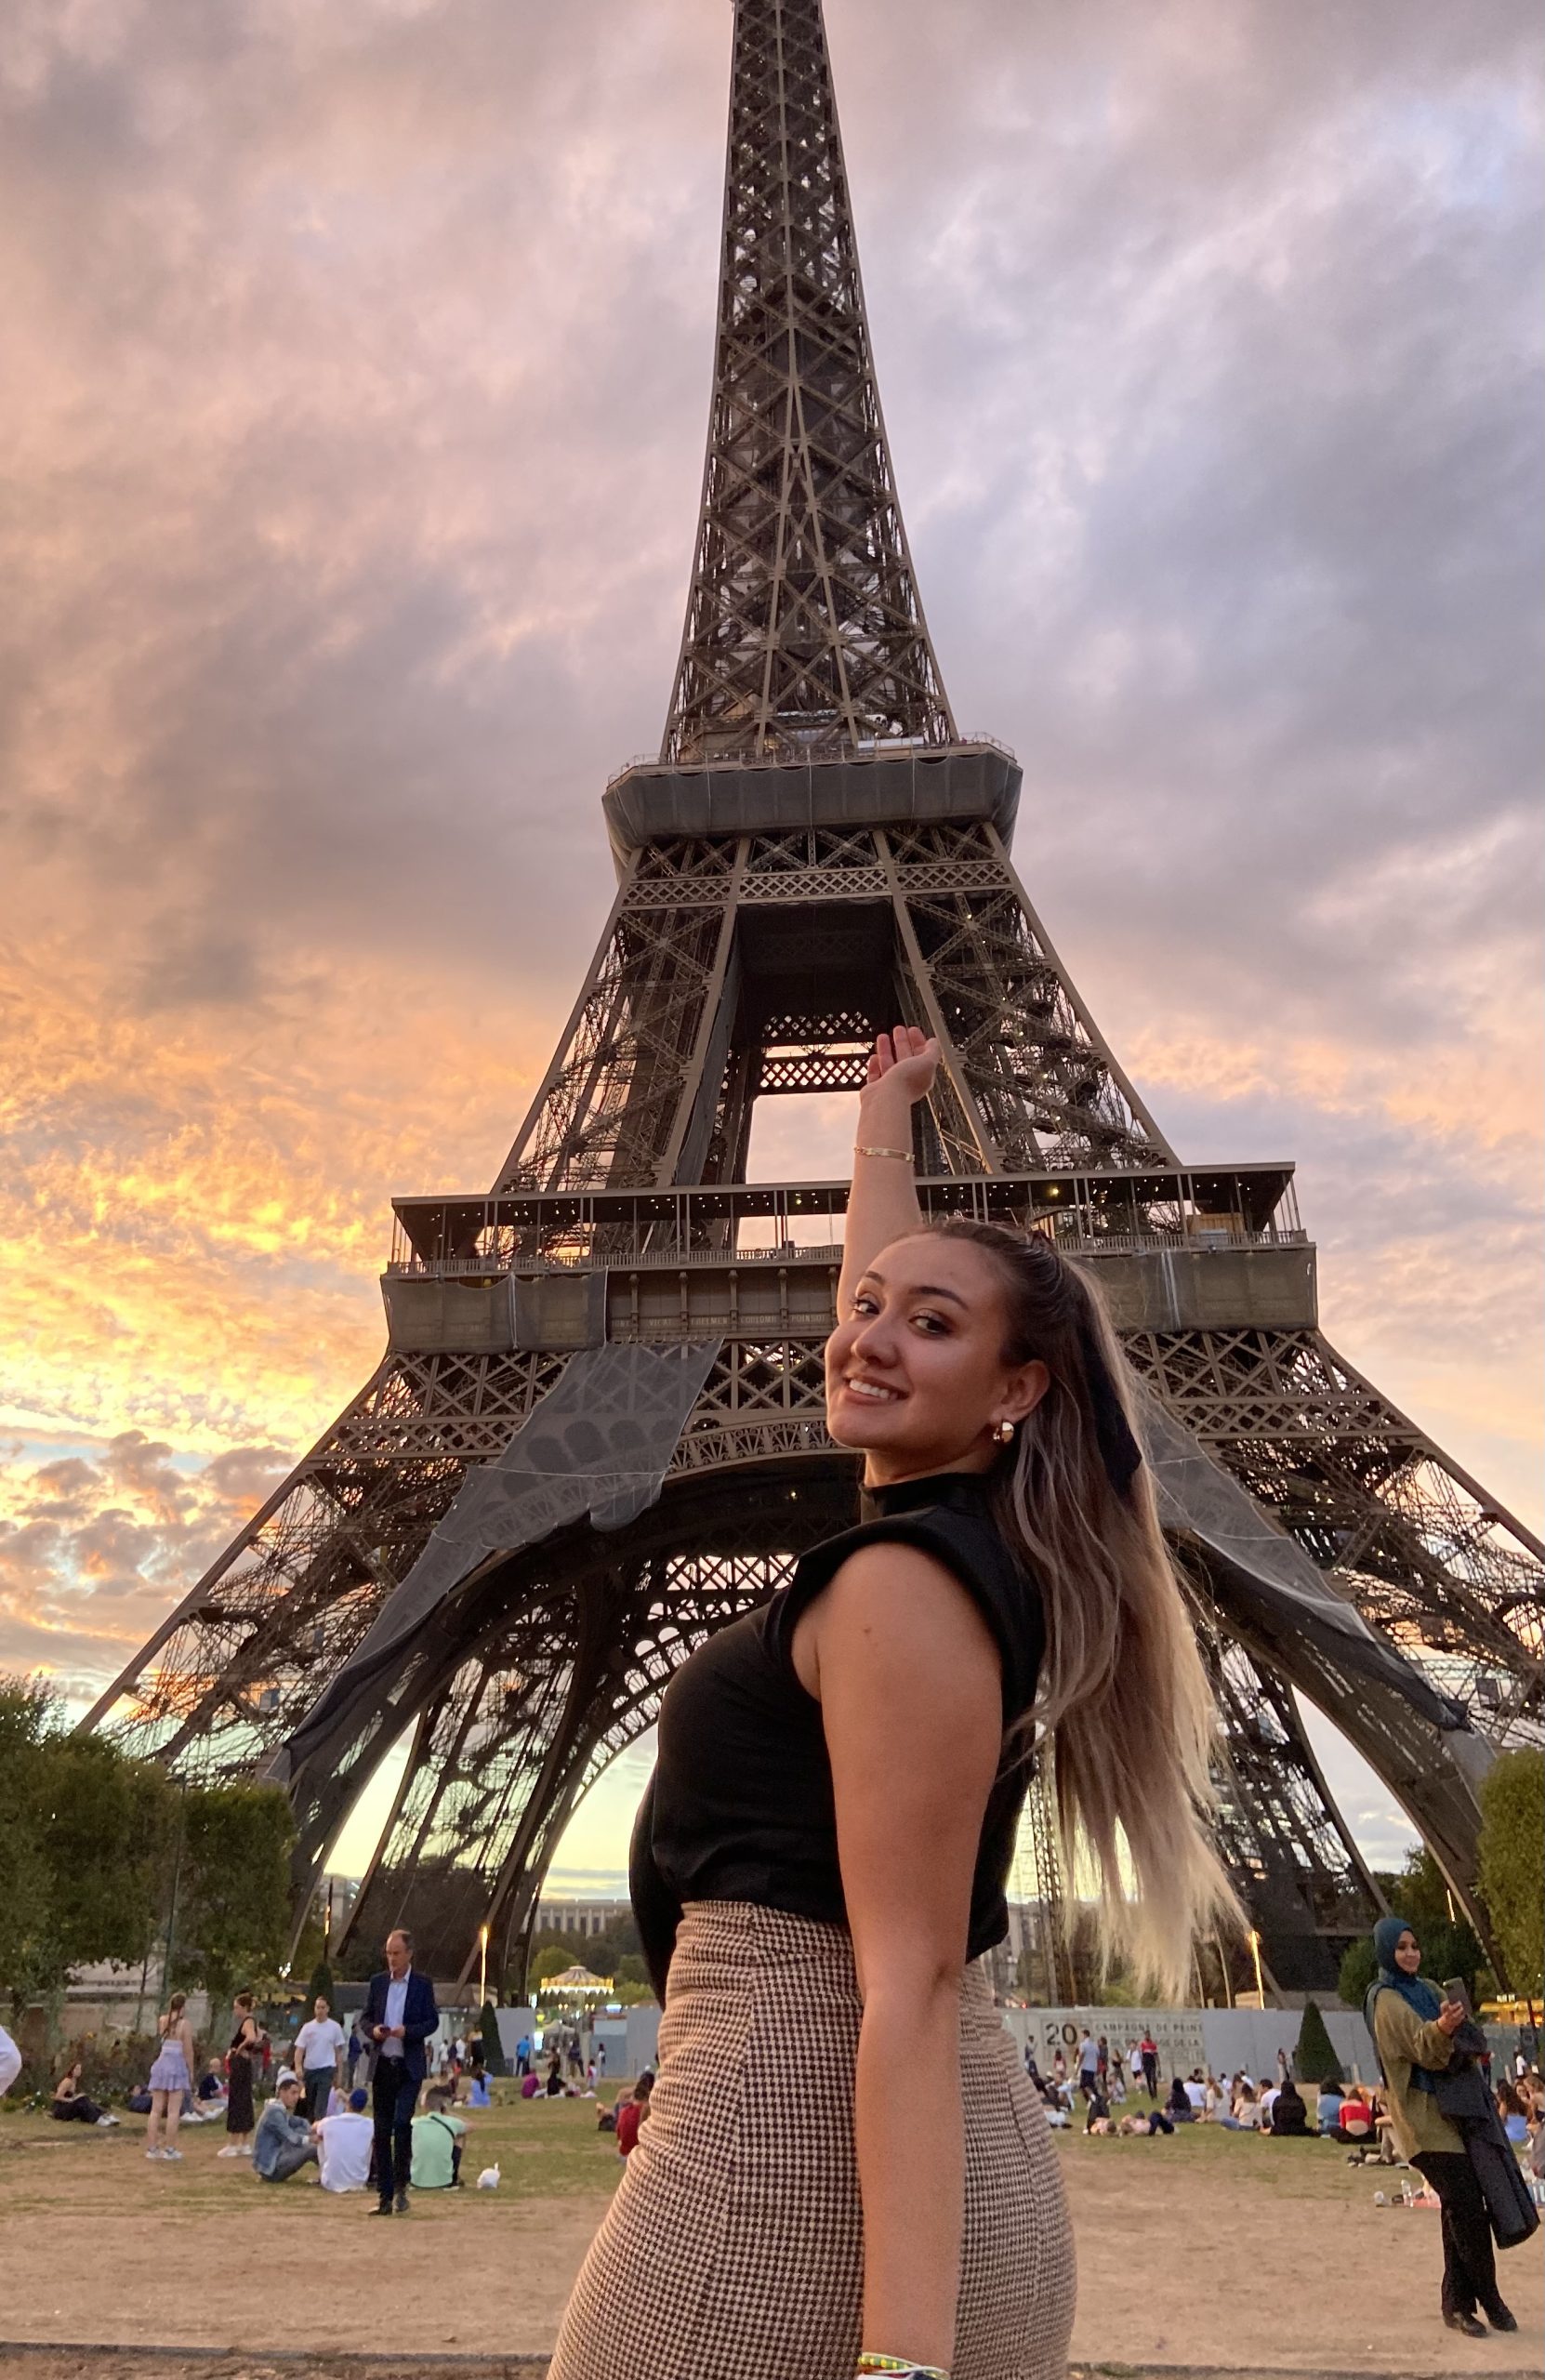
597, 1432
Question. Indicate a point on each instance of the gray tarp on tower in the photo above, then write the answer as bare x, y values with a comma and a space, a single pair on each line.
600, 1443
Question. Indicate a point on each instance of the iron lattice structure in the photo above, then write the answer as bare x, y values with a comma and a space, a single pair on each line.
598, 1432
804, 631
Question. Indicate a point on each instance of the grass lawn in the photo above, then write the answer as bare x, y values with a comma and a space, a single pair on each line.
1211, 2250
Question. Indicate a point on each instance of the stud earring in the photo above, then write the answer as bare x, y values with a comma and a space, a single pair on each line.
1004, 1433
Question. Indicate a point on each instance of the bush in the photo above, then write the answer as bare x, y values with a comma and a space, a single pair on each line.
112, 2066
494, 2059
1316, 2059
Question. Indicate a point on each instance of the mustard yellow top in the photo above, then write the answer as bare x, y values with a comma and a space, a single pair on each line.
1404, 2040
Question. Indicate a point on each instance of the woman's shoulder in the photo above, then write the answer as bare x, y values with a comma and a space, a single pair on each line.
961, 1538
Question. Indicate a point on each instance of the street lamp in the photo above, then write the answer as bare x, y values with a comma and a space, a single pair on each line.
1255, 1953
483, 1967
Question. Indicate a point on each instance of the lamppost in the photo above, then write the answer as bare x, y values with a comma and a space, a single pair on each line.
1255, 1953
482, 1967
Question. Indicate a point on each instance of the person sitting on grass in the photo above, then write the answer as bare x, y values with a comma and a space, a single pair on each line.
633, 2113
284, 2142
1328, 2114
71, 2103
478, 2094
1289, 2116
344, 2144
211, 2090
1178, 2106
437, 2136
1509, 2107
1245, 2114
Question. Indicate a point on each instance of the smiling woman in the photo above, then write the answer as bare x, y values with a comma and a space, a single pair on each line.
843, 2158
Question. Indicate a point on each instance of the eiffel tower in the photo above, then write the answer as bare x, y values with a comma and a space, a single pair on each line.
597, 1435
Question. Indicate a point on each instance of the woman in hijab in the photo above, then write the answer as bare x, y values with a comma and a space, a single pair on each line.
1289, 2116
1413, 2031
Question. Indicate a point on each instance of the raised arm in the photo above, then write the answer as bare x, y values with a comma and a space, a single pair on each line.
882, 1204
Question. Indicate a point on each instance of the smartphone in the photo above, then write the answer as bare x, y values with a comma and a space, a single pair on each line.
1454, 1990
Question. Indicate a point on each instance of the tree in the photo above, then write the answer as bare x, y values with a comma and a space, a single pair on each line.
1358, 1969
1419, 1896
493, 2057
234, 1897
1512, 1830
83, 1839
548, 1962
1316, 2059
321, 1985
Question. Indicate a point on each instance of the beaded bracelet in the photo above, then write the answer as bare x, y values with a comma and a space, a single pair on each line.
894, 2365
902, 1157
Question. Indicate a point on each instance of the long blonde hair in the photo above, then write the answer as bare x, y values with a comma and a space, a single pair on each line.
1123, 1698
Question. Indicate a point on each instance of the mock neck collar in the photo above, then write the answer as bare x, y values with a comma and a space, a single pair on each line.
961, 1491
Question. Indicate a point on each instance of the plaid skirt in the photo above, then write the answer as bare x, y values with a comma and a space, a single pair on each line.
734, 2248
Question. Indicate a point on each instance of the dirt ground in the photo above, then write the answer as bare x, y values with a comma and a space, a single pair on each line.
1213, 2253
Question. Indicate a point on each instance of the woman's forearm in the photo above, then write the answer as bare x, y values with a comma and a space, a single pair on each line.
910, 2137
882, 1204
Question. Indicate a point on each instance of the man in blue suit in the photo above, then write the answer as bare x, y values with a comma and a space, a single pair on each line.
400, 2014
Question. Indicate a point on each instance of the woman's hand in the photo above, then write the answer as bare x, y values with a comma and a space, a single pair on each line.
905, 1060
1450, 2017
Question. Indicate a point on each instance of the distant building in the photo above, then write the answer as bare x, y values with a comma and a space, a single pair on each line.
583, 1918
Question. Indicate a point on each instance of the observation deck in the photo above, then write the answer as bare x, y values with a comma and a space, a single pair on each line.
895, 783
1181, 1250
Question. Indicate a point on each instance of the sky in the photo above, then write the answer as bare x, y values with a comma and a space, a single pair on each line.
353, 381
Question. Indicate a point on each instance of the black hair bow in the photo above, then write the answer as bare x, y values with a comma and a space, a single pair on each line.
1119, 1451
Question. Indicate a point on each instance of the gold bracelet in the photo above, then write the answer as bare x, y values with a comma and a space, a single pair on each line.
869, 2362
902, 1157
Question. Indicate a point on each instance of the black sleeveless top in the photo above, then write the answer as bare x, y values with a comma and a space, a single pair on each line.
740, 1806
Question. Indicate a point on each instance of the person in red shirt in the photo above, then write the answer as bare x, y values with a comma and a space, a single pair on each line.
631, 2113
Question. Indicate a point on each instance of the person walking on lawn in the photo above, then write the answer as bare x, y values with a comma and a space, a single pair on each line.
400, 2014
319, 2047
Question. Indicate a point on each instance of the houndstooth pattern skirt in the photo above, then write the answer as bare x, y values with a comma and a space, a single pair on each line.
733, 2247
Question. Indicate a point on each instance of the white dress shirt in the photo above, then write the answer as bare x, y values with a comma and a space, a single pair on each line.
396, 2011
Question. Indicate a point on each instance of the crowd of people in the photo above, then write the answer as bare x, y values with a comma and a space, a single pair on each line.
1108, 2084
379, 2106
347, 2103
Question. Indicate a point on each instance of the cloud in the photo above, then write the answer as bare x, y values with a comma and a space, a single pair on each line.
95, 1547
355, 368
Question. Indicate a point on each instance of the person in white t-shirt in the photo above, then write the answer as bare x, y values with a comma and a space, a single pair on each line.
318, 2058
10, 2061
343, 2145
1195, 2091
